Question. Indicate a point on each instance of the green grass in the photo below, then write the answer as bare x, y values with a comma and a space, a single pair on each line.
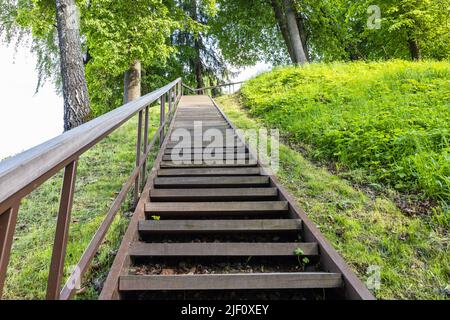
412, 252
387, 121
101, 173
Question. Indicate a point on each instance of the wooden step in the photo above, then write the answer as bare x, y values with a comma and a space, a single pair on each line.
213, 194
182, 135
193, 145
215, 208
198, 132
205, 157
222, 164
235, 249
208, 172
199, 142
217, 150
251, 281
199, 123
163, 227
203, 182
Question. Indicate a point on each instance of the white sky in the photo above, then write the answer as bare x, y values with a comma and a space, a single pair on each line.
26, 119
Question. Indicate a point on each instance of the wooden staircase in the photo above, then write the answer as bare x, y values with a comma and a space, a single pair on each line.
224, 198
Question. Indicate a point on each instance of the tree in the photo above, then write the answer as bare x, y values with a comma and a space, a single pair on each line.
275, 30
76, 97
293, 28
115, 37
410, 29
121, 51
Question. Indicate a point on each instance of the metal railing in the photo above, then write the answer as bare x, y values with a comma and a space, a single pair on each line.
22, 174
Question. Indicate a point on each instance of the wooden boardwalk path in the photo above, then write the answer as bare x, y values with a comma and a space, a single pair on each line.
218, 196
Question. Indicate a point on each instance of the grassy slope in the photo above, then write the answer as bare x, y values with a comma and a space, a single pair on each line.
101, 174
388, 122
412, 252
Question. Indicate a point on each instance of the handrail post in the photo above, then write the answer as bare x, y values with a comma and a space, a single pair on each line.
56, 272
161, 119
138, 159
8, 220
170, 101
175, 93
146, 124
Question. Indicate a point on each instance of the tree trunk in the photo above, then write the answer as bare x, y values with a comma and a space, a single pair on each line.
281, 21
414, 49
76, 97
132, 82
197, 63
291, 19
198, 66
303, 34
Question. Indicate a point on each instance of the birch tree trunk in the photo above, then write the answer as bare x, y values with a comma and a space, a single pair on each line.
132, 82
281, 21
291, 20
303, 34
76, 97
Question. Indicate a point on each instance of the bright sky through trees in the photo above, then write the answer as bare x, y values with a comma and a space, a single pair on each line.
26, 119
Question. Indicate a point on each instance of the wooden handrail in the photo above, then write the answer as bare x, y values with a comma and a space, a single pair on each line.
23, 173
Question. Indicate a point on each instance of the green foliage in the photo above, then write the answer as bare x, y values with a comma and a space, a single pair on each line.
114, 34
335, 30
118, 33
424, 21
247, 32
367, 230
392, 120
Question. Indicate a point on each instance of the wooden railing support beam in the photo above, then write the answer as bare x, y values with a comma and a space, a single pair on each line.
8, 221
56, 272
162, 118
146, 125
138, 159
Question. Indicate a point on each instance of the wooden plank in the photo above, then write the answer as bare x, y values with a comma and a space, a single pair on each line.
213, 194
221, 135
204, 144
229, 249
215, 150
208, 172
216, 207
234, 164
200, 182
218, 226
206, 157
298, 280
